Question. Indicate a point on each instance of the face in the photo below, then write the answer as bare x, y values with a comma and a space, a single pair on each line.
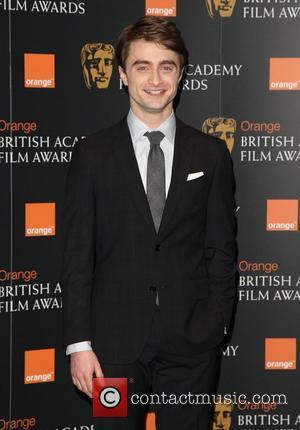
224, 7
152, 74
99, 66
222, 418
225, 132
222, 131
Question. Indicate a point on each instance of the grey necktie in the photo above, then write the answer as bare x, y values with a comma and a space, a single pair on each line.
156, 187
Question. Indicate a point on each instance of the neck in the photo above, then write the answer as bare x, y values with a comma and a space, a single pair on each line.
152, 119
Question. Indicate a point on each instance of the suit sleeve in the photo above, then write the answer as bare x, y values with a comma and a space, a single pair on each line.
220, 244
78, 246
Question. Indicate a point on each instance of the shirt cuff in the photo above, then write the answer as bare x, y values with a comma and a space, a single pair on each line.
79, 346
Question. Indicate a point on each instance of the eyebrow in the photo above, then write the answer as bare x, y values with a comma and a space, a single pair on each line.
137, 62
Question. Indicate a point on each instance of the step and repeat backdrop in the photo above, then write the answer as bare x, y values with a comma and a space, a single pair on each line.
59, 82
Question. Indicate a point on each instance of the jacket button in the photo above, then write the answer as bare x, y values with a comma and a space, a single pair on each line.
157, 247
152, 288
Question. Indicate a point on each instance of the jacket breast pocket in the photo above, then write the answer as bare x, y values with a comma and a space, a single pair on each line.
199, 182
194, 193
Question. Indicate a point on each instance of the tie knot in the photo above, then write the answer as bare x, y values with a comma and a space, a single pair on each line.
155, 137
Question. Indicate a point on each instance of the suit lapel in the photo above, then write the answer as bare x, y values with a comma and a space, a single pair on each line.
124, 152
182, 157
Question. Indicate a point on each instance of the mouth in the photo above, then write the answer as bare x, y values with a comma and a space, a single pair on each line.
101, 79
156, 92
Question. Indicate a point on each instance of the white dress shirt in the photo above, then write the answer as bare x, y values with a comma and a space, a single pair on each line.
141, 146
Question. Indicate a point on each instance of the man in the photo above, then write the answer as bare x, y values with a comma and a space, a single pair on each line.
149, 242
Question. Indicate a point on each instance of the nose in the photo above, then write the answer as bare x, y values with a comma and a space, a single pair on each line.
154, 78
223, 135
220, 423
101, 67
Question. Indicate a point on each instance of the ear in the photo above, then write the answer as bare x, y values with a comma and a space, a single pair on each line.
123, 76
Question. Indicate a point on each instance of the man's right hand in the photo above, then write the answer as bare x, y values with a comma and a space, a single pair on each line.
84, 365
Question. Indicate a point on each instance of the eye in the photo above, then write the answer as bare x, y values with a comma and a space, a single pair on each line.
142, 68
93, 63
218, 134
167, 68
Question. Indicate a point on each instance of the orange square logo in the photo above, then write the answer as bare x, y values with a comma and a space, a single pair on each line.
150, 421
284, 74
39, 70
160, 7
282, 215
280, 354
39, 219
39, 366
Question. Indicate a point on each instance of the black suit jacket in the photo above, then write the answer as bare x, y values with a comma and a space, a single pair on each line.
115, 262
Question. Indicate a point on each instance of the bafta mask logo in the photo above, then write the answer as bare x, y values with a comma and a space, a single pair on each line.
221, 127
222, 7
97, 64
222, 416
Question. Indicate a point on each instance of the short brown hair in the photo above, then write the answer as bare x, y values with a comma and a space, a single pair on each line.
152, 29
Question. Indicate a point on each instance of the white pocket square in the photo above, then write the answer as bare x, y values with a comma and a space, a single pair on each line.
195, 175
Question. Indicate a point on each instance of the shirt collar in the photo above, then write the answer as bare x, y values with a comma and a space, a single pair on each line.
138, 128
